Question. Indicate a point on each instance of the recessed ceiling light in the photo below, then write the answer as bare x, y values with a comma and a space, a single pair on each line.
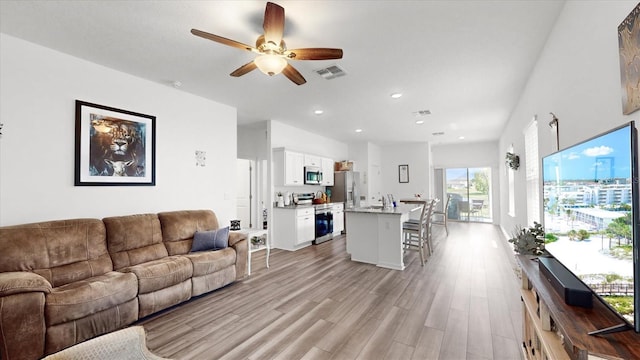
358, 130
318, 112
396, 95
419, 122
461, 137
176, 84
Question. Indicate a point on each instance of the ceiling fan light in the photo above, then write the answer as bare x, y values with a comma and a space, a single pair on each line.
270, 64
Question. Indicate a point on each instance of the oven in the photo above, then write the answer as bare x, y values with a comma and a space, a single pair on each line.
312, 175
324, 223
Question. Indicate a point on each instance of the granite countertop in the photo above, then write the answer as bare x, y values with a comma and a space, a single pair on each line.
398, 210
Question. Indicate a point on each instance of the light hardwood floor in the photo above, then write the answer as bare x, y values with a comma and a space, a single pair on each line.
315, 303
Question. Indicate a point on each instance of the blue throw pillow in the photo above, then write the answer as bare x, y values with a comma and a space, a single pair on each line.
210, 240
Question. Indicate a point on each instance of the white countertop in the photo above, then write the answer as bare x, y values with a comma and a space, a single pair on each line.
302, 206
398, 210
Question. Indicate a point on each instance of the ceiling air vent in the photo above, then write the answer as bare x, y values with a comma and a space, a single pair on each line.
422, 113
331, 72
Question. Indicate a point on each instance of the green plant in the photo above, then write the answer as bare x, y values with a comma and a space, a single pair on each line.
549, 238
528, 241
513, 161
583, 234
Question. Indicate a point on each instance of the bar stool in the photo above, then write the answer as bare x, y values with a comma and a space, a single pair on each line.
416, 233
444, 213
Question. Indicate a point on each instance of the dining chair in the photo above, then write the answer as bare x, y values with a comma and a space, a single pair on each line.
417, 232
477, 205
440, 217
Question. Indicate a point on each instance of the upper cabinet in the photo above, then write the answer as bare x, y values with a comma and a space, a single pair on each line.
288, 167
327, 172
312, 160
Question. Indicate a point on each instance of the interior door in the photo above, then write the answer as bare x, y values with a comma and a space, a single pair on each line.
244, 192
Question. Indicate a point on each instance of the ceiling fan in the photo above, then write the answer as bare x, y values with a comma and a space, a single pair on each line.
273, 53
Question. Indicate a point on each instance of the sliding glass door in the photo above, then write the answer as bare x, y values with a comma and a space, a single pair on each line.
470, 191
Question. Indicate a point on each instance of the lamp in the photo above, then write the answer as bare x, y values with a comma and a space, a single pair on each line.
555, 125
270, 64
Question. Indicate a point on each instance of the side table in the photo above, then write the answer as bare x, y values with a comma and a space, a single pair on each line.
258, 240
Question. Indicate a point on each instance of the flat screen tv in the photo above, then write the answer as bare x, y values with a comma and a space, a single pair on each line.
591, 218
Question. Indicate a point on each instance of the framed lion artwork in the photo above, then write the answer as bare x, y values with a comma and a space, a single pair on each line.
114, 146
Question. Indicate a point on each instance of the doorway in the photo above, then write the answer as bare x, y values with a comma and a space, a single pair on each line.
470, 191
251, 193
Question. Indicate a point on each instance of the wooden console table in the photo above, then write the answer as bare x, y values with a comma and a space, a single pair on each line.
555, 330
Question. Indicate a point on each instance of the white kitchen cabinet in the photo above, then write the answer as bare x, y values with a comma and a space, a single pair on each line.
288, 167
338, 218
312, 160
327, 172
305, 226
293, 228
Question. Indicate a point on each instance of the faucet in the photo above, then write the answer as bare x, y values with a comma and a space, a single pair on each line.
384, 202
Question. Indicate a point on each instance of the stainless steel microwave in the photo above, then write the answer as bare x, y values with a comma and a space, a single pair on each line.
312, 175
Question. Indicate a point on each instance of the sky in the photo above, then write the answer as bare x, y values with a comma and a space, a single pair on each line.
603, 157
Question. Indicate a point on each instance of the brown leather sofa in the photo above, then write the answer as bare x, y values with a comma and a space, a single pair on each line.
65, 281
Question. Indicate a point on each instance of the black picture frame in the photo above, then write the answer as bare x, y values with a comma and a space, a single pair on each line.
114, 147
403, 173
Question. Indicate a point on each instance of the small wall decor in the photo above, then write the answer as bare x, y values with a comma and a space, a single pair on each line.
513, 161
403, 173
201, 158
113, 146
629, 50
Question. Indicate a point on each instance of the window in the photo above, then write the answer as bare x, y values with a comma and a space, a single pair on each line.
532, 171
512, 191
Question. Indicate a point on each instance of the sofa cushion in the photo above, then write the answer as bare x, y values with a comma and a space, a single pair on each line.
207, 262
81, 298
178, 228
210, 240
61, 251
162, 273
134, 239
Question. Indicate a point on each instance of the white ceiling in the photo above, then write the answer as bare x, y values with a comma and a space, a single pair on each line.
465, 61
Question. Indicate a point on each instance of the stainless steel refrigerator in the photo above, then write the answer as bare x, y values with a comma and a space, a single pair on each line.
345, 188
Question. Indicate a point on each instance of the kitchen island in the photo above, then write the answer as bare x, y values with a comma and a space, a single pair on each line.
374, 235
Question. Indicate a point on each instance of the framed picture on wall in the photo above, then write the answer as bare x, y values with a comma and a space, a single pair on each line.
629, 51
403, 173
114, 146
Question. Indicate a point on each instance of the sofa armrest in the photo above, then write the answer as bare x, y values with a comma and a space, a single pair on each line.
235, 237
17, 282
240, 243
22, 325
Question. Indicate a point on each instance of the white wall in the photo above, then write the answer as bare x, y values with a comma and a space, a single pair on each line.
578, 78
38, 89
417, 156
293, 138
252, 141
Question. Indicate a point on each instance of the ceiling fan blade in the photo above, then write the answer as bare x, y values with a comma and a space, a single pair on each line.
293, 75
314, 54
250, 66
273, 23
223, 40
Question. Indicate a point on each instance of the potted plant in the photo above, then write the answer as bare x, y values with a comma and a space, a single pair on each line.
528, 241
513, 161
